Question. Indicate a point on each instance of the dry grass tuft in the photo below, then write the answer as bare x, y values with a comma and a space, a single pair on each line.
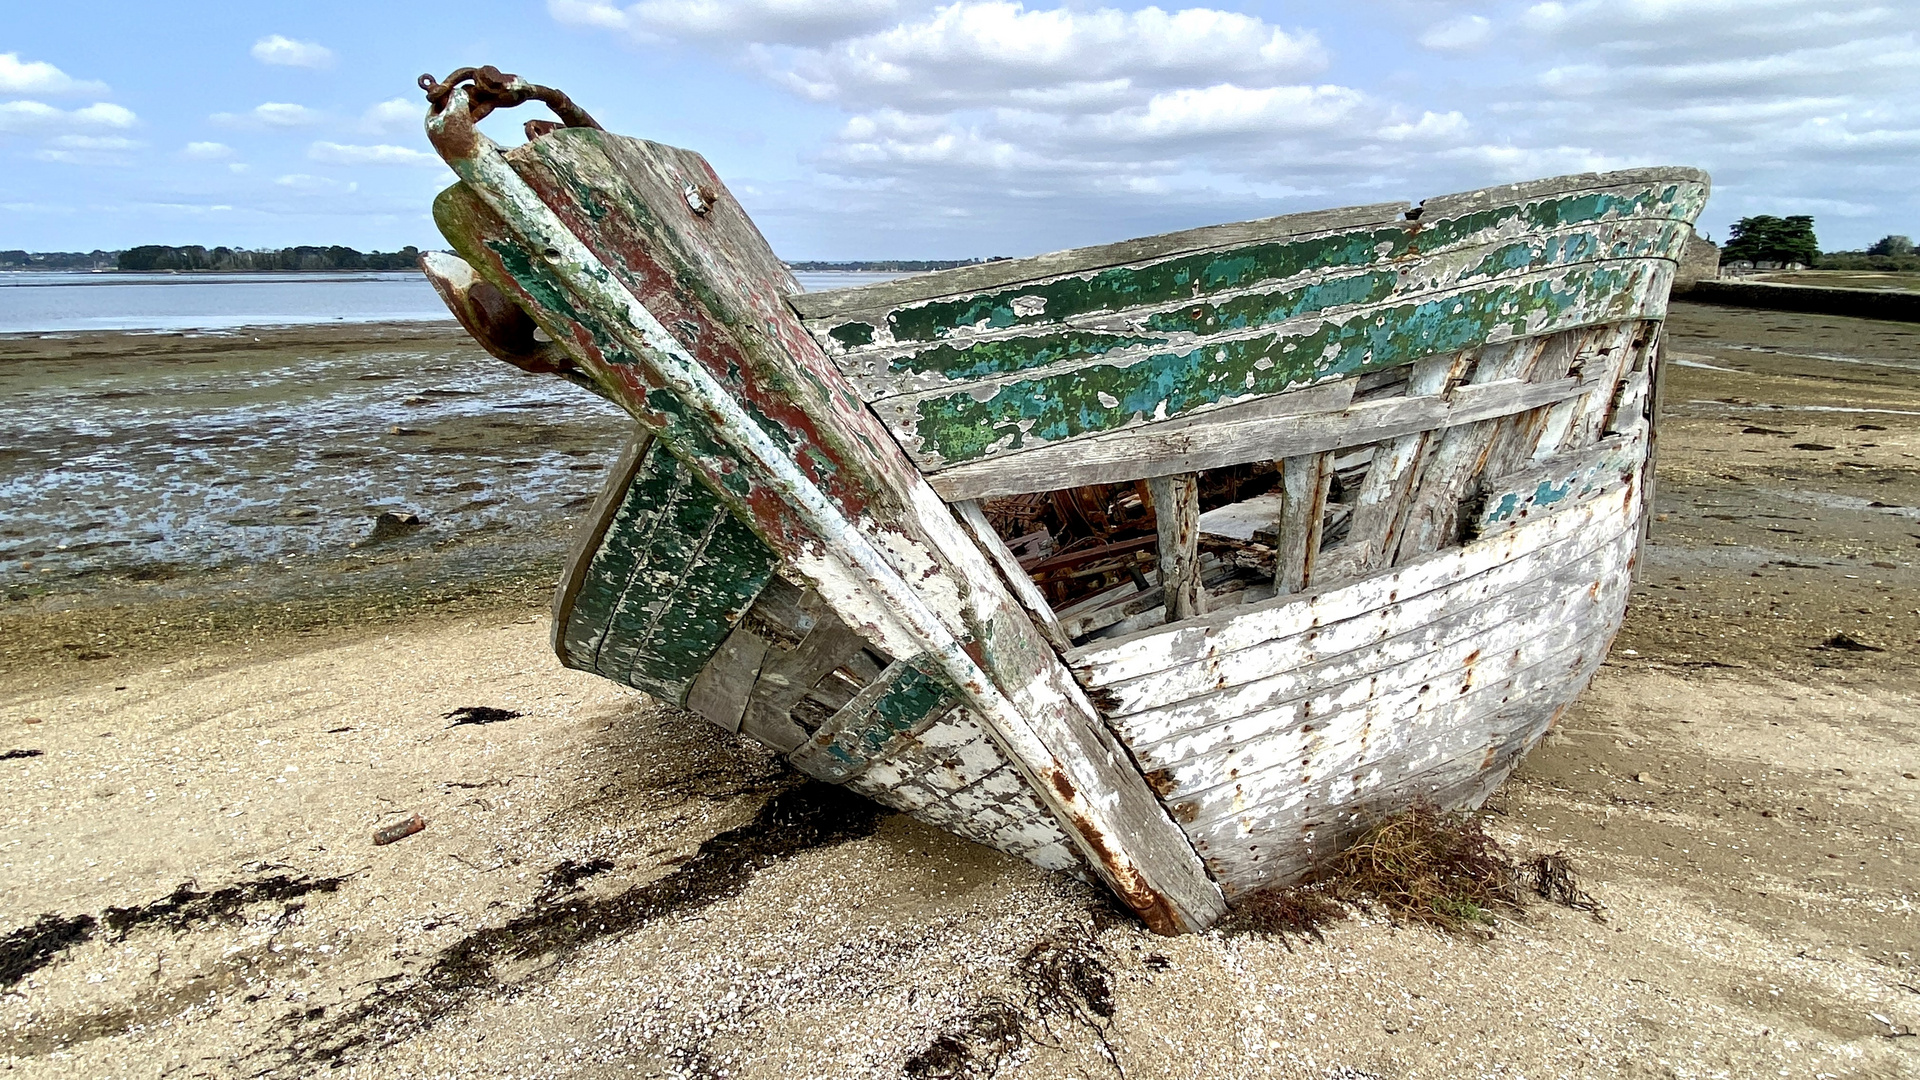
1423, 866
1428, 866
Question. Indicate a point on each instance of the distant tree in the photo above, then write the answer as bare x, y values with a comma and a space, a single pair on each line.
1765, 238
1895, 245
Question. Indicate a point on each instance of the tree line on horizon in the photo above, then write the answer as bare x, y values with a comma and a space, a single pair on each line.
892, 266
161, 257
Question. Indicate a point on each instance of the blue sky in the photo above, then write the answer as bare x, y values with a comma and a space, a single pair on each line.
899, 129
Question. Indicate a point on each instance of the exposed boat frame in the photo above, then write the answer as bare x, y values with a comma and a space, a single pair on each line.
801, 543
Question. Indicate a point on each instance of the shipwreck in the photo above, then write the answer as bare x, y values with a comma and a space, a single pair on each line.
1167, 562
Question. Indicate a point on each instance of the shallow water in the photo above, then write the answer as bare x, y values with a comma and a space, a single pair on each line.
35, 302
48, 302
219, 450
153, 465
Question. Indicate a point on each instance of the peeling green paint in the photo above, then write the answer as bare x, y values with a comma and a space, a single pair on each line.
673, 572
1557, 481
994, 357
854, 334
1196, 276
965, 425
901, 702
1205, 317
1168, 281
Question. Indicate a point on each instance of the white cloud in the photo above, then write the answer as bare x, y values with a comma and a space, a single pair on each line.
394, 114
315, 184
282, 51
1448, 127
785, 22
1006, 125
272, 114
1463, 34
333, 153
94, 142
986, 52
88, 150
35, 115
19, 76
206, 151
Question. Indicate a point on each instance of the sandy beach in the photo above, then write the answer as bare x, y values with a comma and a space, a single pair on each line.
195, 767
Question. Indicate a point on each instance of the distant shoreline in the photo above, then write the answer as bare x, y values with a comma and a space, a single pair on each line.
877, 266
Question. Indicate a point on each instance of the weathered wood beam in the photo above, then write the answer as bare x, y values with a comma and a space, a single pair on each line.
1304, 480
1430, 517
1236, 682
1011, 573
1105, 663
1554, 483
722, 689
1005, 414
674, 306
1176, 509
986, 277
1232, 438
917, 332
886, 711
1390, 477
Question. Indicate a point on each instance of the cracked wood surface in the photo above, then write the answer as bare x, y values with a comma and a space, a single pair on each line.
680, 317
1027, 362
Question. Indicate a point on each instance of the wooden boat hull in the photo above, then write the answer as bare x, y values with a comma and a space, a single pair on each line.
811, 541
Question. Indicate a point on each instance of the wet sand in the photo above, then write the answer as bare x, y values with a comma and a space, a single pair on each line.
605, 887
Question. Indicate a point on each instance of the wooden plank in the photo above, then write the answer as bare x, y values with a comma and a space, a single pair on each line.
901, 702
951, 775
1206, 741
1557, 482
1359, 643
1176, 508
1016, 579
1019, 411
721, 691
1400, 730
1232, 440
1590, 418
1516, 437
1304, 480
672, 572
786, 675
1430, 518
1117, 610
1107, 662
1036, 315
1441, 738
678, 314
1384, 732
1594, 357
1376, 508
884, 295
1649, 473
988, 276
587, 538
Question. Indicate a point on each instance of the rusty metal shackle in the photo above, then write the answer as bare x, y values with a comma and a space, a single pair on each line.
488, 88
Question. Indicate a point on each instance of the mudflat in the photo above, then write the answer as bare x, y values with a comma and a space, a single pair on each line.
605, 886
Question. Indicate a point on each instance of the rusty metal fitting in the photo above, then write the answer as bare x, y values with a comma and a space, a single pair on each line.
490, 89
